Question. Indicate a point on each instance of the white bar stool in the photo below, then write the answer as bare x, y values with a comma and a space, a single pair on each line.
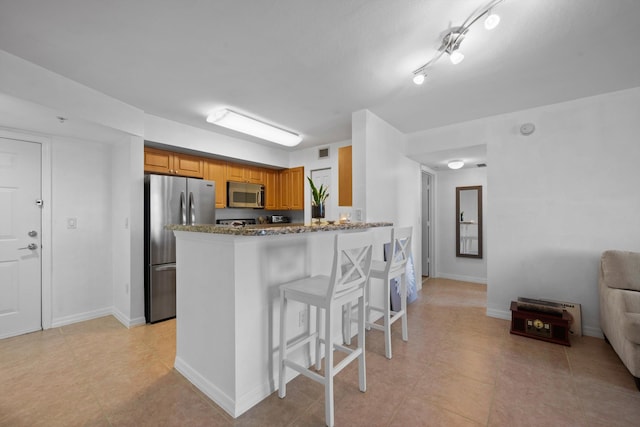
349, 276
393, 267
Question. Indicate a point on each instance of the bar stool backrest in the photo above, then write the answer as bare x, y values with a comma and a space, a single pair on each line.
400, 249
351, 263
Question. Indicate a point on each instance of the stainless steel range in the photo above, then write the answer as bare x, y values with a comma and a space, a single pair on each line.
236, 222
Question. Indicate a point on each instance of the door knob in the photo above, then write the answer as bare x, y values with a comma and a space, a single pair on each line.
31, 246
32, 233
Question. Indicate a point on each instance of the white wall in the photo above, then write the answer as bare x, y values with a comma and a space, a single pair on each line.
386, 184
127, 192
82, 270
448, 265
558, 198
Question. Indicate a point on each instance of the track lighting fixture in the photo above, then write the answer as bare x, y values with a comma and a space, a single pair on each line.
452, 40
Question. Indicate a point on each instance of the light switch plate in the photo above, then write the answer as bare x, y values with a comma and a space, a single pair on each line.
72, 223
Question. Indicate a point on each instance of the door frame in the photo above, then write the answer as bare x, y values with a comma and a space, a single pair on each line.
46, 226
432, 217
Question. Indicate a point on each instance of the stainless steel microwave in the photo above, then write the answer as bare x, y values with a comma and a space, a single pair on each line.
245, 195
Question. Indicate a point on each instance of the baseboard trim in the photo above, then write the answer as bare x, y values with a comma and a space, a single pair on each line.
214, 393
481, 280
499, 314
81, 317
126, 321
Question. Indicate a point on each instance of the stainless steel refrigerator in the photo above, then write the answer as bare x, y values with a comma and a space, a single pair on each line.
170, 200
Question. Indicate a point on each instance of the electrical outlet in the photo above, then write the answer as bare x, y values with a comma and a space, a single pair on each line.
358, 214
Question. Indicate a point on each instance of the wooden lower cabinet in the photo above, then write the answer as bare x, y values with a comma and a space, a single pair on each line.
215, 170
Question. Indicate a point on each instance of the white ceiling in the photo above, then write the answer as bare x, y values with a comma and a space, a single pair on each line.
306, 65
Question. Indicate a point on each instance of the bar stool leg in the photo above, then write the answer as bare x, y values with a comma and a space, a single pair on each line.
318, 325
403, 307
362, 371
387, 318
282, 383
328, 370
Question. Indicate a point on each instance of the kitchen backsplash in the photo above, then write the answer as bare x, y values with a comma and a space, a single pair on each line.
240, 213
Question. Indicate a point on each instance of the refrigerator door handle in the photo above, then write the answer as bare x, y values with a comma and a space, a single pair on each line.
165, 267
192, 209
183, 208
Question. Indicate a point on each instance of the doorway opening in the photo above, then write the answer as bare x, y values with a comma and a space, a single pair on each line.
427, 223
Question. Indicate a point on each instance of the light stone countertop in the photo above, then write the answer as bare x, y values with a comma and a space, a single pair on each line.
275, 229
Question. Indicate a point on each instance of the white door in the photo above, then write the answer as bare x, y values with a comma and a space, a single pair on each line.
323, 176
20, 238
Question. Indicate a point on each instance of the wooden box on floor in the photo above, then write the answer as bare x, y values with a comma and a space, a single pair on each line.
541, 326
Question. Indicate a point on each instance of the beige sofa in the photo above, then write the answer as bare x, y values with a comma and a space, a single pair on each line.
619, 288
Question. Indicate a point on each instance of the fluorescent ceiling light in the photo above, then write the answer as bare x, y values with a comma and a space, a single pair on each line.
455, 164
245, 124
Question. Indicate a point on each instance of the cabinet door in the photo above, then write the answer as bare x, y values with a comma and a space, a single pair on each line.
235, 172
271, 190
285, 189
345, 186
296, 181
254, 175
185, 165
158, 161
215, 171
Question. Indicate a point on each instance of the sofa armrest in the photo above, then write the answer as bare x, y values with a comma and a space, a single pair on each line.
631, 301
631, 327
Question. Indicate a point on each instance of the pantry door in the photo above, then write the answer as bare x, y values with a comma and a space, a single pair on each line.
20, 237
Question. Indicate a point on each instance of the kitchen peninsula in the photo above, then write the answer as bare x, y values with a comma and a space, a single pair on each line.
227, 314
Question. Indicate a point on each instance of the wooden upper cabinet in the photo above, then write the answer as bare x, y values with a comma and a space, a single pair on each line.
271, 189
235, 172
167, 162
158, 161
185, 165
285, 189
254, 175
297, 188
243, 173
292, 188
345, 177
215, 170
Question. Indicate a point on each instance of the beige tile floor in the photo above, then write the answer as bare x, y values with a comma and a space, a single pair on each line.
459, 368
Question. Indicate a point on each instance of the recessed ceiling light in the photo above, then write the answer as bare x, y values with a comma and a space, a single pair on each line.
455, 164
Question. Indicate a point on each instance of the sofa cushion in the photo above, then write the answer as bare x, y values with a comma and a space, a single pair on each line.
621, 269
631, 327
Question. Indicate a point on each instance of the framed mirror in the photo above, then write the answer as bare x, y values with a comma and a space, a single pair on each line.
469, 221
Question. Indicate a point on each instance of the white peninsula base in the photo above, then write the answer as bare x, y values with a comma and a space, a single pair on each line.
227, 314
